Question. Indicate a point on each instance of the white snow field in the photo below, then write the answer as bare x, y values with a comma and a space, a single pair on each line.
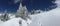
49, 18
14, 22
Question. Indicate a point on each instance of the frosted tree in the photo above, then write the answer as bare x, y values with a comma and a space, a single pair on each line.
39, 11
33, 11
5, 16
22, 12
19, 11
36, 11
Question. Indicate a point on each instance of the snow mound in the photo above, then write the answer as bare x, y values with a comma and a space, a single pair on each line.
49, 18
14, 22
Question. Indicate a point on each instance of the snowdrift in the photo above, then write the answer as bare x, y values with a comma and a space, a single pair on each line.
14, 22
49, 18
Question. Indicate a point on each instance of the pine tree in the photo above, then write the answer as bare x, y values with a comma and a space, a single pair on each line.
22, 12
33, 11
5, 17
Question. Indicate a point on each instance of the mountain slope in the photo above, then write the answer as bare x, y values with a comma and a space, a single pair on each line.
14, 22
49, 18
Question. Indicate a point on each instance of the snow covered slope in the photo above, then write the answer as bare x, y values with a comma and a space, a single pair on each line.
14, 22
50, 18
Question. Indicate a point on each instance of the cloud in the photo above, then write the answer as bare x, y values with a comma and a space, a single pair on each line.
57, 3
16, 1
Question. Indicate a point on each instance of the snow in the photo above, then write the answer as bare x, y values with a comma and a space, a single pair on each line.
49, 18
11, 22
14, 22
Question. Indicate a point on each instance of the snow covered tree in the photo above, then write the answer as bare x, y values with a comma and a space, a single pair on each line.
39, 11
36, 11
22, 12
33, 11
5, 16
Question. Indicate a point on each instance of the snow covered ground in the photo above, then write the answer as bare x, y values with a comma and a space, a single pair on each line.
14, 22
49, 18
